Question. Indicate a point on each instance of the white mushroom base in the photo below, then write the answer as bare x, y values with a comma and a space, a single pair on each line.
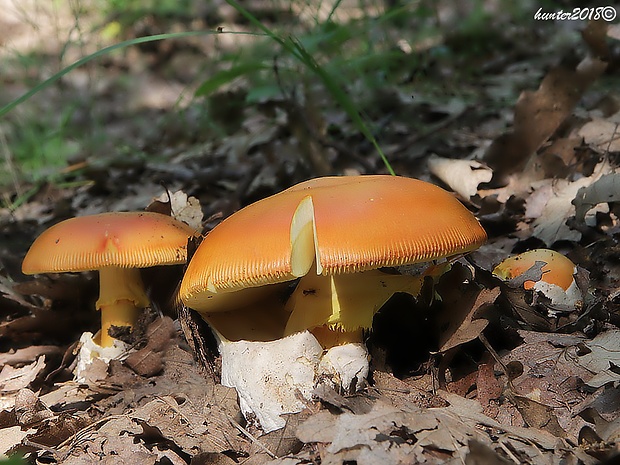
91, 351
276, 378
570, 298
347, 365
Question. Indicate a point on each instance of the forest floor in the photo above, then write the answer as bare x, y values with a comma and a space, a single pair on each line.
518, 117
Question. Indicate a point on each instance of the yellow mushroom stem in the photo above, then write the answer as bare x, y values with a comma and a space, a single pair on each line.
343, 304
121, 296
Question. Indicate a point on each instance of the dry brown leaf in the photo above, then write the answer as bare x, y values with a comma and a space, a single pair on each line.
488, 387
11, 437
557, 157
181, 207
148, 360
459, 321
29, 409
556, 196
538, 415
538, 114
551, 376
28, 354
595, 37
470, 327
14, 379
374, 437
481, 454
114, 440
470, 413
409, 435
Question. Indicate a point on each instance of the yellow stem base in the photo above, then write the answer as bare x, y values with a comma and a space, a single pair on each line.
122, 313
121, 296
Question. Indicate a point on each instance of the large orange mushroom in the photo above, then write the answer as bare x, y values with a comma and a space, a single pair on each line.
334, 233
117, 245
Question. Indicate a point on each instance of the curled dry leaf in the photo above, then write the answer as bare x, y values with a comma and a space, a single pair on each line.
14, 379
605, 189
387, 434
551, 225
463, 176
468, 325
179, 206
29, 409
554, 371
148, 361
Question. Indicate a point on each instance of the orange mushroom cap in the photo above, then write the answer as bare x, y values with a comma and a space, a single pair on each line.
343, 224
121, 239
558, 269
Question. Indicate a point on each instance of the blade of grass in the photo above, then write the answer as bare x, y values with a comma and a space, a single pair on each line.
128, 43
333, 11
343, 99
296, 49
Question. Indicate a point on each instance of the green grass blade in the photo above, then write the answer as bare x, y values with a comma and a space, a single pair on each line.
296, 49
343, 99
333, 11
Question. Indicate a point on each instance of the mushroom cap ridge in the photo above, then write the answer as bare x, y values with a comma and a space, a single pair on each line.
360, 223
121, 239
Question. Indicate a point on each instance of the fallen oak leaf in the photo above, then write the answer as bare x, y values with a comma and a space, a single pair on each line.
179, 206
601, 356
538, 415
14, 379
148, 360
471, 326
551, 225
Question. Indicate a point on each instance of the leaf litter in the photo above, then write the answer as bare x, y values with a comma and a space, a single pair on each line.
500, 381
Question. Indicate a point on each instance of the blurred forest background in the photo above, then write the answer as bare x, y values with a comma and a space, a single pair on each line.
104, 104
286, 79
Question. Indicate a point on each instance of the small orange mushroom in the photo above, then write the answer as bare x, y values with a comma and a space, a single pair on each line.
557, 281
117, 245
